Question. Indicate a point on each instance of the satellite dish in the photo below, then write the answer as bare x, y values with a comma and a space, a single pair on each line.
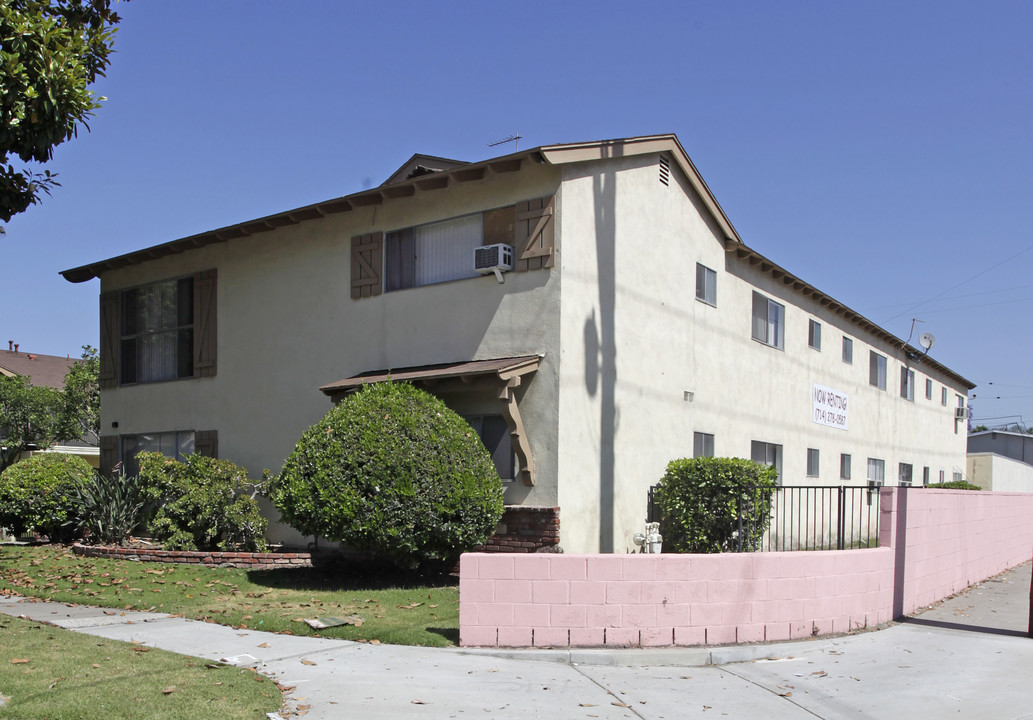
926, 340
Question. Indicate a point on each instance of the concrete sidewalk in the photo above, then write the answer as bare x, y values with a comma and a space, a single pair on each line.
967, 657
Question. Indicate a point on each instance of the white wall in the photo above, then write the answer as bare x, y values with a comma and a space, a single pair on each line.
635, 341
998, 473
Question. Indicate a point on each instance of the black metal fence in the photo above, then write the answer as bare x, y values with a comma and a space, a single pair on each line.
807, 517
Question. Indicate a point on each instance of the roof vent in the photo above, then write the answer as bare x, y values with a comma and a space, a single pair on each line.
665, 170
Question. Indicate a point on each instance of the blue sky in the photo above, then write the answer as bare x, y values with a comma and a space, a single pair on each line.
880, 150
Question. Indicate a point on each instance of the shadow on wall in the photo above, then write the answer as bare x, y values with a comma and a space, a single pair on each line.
604, 193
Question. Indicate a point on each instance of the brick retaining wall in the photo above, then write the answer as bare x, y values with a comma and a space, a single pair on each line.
525, 529
247, 560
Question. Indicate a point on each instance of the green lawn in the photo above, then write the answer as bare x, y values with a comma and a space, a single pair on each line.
392, 610
51, 674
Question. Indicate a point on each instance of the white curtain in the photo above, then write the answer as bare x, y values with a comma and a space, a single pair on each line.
444, 251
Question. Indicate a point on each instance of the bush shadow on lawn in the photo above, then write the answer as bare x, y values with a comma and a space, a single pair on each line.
336, 573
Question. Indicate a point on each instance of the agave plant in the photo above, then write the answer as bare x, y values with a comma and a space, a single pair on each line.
110, 507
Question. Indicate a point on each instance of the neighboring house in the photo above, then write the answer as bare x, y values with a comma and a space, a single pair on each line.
46, 371
634, 328
1001, 460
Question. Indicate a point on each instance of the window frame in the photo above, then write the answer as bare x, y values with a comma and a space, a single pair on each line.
943, 395
928, 389
848, 350
907, 383
406, 240
813, 462
814, 334
877, 370
844, 466
770, 450
879, 465
701, 442
905, 474
706, 285
771, 326
134, 339
133, 468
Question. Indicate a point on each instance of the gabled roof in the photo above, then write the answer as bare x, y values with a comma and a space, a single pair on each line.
400, 185
419, 165
43, 370
405, 183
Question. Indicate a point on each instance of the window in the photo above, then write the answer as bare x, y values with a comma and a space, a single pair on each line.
877, 370
876, 471
942, 476
156, 332
943, 396
160, 331
434, 253
957, 476
702, 445
904, 474
907, 384
848, 350
494, 433
928, 389
925, 476
844, 467
767, 454
812, 462
814, 335
706, 285
768, 321
175, 445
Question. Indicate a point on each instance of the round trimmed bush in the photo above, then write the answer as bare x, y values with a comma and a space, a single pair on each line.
391, 470
38, 494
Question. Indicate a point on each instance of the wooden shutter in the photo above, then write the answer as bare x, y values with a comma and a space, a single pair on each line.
108, 374
108, 454
367, 264
205, 313
535, 233
206, 442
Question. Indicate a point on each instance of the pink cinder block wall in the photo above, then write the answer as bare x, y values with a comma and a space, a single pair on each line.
933, 543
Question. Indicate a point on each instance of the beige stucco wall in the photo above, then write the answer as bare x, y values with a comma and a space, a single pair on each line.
633, 363
287, 324
645, 364
998, 473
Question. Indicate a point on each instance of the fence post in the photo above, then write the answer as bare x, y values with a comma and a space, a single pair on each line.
1031, 607
738, 503
841, 521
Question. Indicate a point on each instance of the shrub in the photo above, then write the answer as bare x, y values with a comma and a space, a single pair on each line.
700, 501
110, 507
38, 494
956, 485
391, 470
197, 505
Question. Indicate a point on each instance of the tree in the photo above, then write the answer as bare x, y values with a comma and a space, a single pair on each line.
81, 413
30, 417
51, 51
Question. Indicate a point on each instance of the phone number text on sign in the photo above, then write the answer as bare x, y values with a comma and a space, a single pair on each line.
829, 407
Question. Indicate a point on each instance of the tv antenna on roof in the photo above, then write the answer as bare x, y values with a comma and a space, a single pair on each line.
515, 139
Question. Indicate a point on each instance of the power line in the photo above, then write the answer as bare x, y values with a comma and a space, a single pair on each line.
963, 282
956, 297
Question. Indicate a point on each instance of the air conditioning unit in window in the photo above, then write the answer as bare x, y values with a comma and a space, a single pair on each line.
497, 258
874, 483
961, 413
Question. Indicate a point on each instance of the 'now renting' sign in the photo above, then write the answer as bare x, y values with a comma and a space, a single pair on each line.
829, 407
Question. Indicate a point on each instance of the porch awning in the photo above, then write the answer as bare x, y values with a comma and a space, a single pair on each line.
499, 375
501, 368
